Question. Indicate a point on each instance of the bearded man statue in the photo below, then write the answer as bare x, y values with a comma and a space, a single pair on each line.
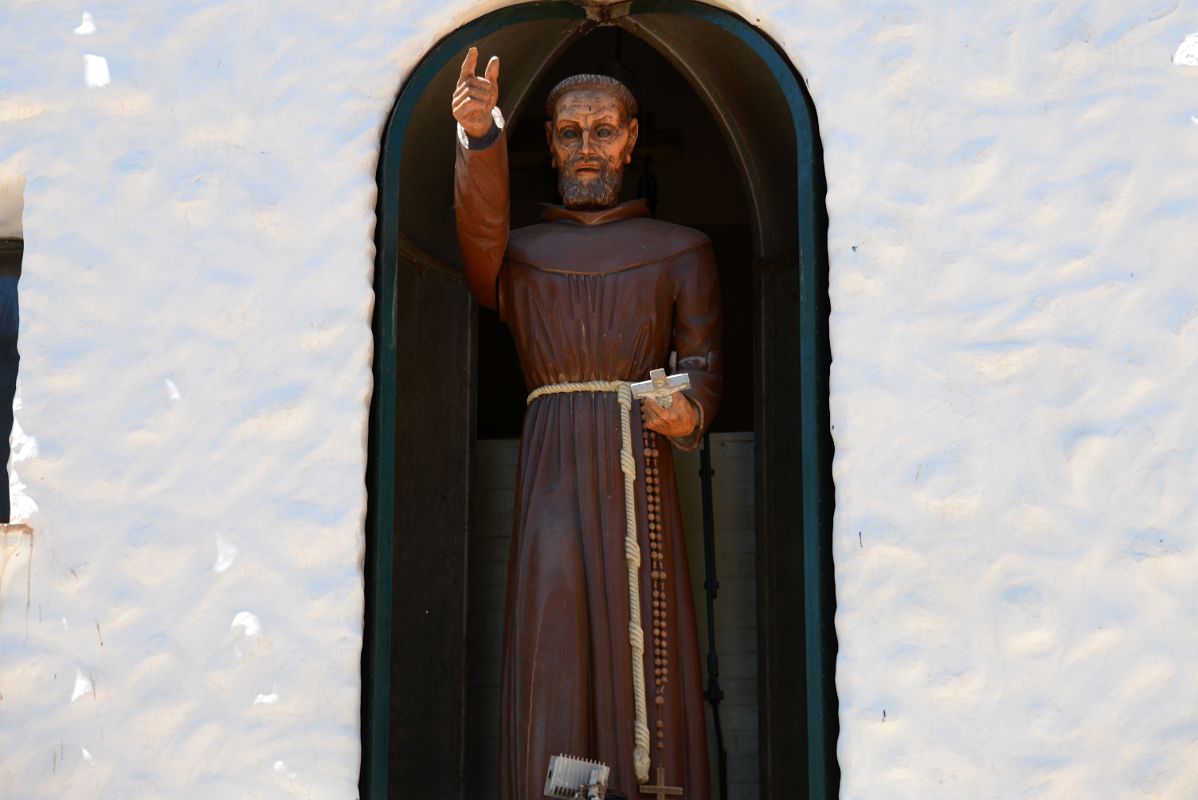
596, 295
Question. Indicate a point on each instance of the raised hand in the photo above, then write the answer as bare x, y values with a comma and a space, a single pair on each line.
475, 97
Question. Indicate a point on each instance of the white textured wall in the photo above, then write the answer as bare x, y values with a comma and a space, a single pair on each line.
1013, 192
1013, 230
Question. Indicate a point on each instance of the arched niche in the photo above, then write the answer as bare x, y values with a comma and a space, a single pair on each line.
422, 412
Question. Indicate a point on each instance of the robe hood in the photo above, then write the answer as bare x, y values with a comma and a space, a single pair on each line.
600, 216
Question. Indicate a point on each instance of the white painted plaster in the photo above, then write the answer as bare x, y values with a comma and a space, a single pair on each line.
226, 554
83, 684
22, 447
1187, 52
1012, 200
87, 27
95, 71
12, 199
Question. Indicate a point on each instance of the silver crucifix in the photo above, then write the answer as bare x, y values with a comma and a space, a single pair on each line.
661, 387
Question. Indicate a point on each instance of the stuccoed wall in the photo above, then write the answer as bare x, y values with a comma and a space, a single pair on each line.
1014, 222
1013, 200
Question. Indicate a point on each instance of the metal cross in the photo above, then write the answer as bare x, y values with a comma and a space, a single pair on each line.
661, 790
661, 387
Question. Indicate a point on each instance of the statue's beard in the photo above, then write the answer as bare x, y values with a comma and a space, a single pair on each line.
601, 191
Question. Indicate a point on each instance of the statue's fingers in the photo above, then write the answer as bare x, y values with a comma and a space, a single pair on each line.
465, 90
492, 71
467, 87
471, 106
470, 110
482, 86
478, 99
469, 64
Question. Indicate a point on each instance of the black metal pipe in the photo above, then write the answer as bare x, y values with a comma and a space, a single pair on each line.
714, 694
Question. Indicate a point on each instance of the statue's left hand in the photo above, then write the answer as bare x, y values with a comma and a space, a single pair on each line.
677, 421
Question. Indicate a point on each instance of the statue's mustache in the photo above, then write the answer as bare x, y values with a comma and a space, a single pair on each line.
599, 164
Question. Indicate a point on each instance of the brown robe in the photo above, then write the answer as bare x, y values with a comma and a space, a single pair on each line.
592, 295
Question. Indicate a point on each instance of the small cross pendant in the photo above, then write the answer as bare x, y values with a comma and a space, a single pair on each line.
661, 790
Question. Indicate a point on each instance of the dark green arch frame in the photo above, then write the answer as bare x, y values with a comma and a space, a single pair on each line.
814, 362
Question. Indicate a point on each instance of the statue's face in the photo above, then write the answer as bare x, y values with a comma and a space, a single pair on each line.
590, 141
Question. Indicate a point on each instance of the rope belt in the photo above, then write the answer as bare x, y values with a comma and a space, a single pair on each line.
632, 552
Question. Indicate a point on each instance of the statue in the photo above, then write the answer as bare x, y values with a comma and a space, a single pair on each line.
596, 295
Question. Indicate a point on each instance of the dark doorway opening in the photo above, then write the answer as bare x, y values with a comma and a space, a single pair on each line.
427, 415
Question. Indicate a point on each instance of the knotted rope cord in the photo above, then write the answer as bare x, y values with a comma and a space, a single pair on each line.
632, 552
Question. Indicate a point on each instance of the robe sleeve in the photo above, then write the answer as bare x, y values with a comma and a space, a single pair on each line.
698, 330
481, 202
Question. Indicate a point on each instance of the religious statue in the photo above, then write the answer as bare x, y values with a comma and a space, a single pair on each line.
600, 652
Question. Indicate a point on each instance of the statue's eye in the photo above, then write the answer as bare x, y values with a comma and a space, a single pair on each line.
605, 132
569, 133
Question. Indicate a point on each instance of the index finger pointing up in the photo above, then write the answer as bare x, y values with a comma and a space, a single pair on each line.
492, 72
469, 64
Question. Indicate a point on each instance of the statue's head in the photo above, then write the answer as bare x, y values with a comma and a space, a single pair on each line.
591, 132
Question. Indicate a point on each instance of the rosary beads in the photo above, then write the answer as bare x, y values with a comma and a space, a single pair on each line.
657, 560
